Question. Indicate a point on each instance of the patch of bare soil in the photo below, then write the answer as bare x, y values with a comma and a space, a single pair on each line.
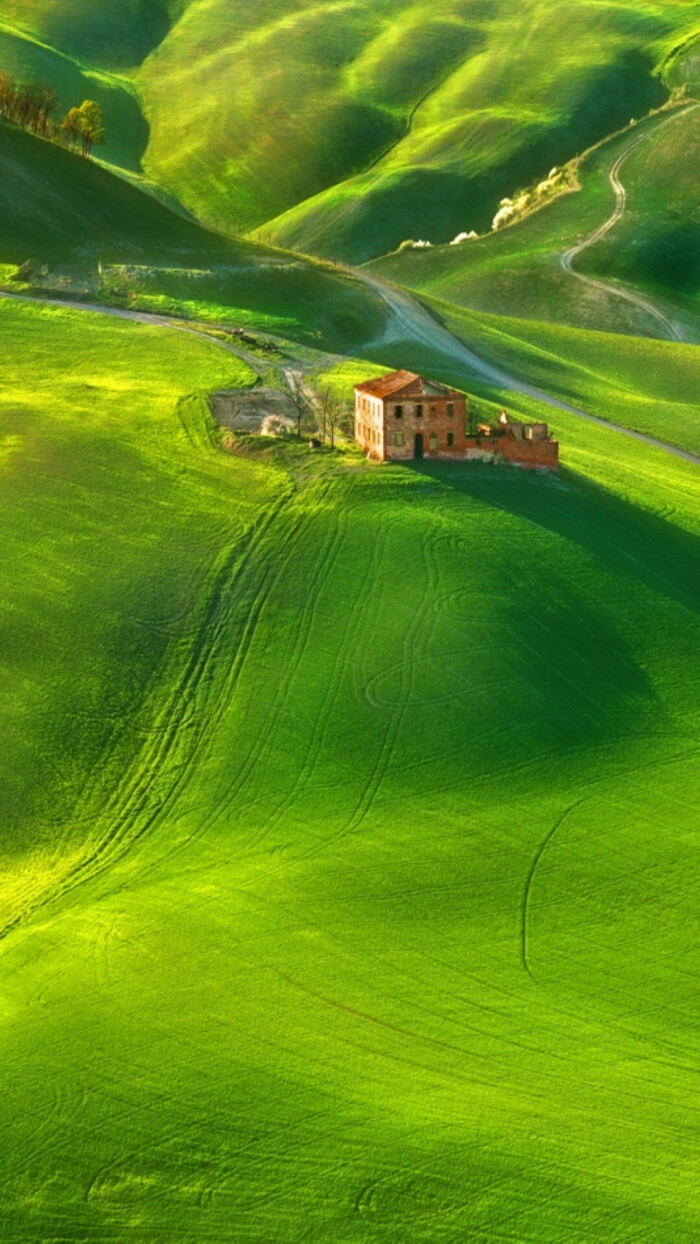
244, 410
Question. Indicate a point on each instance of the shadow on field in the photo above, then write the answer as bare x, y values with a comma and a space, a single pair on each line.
644, 546
567, 624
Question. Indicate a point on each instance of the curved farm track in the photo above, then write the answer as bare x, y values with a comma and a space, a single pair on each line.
410, 321
567, 259
418, 325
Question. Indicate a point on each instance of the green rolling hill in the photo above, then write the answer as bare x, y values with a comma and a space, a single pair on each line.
342, 130
348, 858
348, 825
31, 59
72, 215
114, 34
653, 248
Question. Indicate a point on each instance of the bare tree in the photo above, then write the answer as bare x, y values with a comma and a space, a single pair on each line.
47, 106
7, 93
24, 104
329, 410
299, 397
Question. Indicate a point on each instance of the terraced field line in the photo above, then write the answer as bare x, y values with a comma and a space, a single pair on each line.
419, 325
567, 259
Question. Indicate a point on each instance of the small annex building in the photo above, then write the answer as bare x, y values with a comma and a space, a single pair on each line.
403, 416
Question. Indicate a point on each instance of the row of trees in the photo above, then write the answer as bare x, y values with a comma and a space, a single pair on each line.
35, 108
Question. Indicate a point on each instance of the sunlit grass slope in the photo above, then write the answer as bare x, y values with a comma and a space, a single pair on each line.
649, 386
530, 86
73, 215
112, 499
387, 780
354, 125
655, 248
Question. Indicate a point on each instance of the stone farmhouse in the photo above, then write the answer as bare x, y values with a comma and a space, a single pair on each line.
403, 416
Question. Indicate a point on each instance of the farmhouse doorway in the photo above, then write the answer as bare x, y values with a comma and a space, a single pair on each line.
418, 445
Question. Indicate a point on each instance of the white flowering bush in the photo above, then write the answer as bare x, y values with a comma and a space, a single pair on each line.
276, 425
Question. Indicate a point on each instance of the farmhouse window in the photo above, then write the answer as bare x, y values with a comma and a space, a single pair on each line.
419, 411
398, 412
450, 439
433, 442
450, 410
398, 439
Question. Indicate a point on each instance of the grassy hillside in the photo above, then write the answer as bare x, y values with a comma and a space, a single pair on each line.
112, 497
533, 88
653, 248
344, 129
31, 59
72, 216
649, 386
351, 824
114, 34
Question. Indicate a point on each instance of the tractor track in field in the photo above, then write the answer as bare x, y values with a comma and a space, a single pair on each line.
138, 803
567, 259
525, 906
332, 685
375, 777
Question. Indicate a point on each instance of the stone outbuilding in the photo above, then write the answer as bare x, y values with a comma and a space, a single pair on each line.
403, 416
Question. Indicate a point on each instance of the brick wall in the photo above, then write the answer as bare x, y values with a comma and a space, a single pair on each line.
369, 425
436, 419
387, 428
526, 453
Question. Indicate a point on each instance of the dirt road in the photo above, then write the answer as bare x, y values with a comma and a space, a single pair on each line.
567, 259
410, 322
418, 325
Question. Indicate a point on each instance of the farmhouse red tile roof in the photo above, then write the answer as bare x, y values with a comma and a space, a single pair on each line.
397, 381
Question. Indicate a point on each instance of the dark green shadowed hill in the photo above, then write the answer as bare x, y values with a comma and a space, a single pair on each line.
73, 216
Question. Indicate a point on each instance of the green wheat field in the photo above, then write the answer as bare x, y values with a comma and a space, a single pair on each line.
349, 812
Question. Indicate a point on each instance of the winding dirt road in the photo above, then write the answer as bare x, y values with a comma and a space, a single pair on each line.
567, 259
142, 317
409, 322
418, 325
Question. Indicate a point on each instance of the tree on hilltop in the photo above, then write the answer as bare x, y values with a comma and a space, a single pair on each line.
46, 106
91, 131
71, 127
7, 90
32, 107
